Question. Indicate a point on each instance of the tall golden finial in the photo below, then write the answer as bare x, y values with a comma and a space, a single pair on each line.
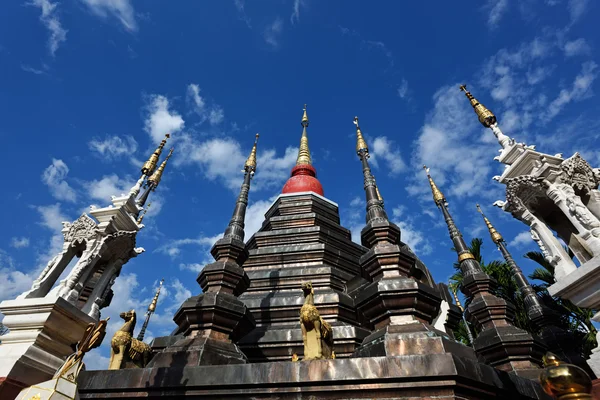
150, 165
139, 221
486, 117
251, 161
496, 236
456, 300
564, 381
304, 152
361, 145
152, 306
438, 197
157, 176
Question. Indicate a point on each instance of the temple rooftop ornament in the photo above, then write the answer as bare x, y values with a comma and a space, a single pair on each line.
154, 180
565, 381
250, 164
143, 213
304, 176
150, 165
487, 119
150, 311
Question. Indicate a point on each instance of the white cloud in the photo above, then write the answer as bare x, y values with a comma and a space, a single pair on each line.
521, 240
160, 119
19, 242
273, 32
385, 149
113, 147
50, 20
14, 282
576, 47
54, 177
577, 8
580, 89
181, 294
173, 247
222, 159
497, 9
119, 9
403, 89
28, 68
414, 238
296, 10
110, 185
52, 216
445, 138
240, 7
214, 114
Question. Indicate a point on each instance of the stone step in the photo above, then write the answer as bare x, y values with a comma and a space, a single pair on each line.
292, 278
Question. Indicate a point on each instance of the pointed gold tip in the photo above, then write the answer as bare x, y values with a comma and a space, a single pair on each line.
143, 214
150, 165
303, 151
304, 121
251, 161
496, 237
438, 197
157, 176
152, 305
361, 145
485, 116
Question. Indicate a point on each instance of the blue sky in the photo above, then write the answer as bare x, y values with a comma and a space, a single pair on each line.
88, 87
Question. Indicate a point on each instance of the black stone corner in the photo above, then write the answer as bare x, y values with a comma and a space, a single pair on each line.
225, 275
230, 248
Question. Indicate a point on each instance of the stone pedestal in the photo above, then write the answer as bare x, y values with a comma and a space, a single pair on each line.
42, 333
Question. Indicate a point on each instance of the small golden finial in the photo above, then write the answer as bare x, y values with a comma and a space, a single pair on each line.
378, 194
486, 117
304, 152
361, 145
304, 121
438, 197
496, 236
152, 306
150, 165
157, 176
456, 300
564, 381
139, 221
251, 161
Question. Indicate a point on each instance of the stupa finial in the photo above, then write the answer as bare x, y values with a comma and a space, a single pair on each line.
438, 197
150, 165
361, 145
486, 117
303, 151
496, 236
250, 165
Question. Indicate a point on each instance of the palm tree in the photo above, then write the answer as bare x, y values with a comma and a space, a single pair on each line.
578, 320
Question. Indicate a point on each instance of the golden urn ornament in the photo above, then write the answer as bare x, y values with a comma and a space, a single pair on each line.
564, 381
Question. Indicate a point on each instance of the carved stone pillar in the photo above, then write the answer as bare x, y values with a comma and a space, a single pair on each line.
586, 224
94, 302
42, 285
549, 245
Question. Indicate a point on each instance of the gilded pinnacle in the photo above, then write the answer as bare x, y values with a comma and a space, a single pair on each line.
486, 117
150, 165
361, 145
438, 197
152, 305
251, 161
304, 152
157, 176
304, 121
496, 237
139, 221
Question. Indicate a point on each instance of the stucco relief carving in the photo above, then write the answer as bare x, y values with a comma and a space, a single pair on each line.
83, 229
579, 174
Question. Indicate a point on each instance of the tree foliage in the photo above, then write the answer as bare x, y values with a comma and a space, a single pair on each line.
570, 317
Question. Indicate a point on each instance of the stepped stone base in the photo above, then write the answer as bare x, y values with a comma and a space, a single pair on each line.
439, 376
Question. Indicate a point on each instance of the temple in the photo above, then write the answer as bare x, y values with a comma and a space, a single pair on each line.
558, 199
49, 318
392, 326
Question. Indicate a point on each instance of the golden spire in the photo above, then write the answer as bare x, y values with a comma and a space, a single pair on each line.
304, 152
156, 177
496, 237
139, 221
360, 141
251, 161
456, 300
486, 117
150, 165
378, 194
152, 305
437, 195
